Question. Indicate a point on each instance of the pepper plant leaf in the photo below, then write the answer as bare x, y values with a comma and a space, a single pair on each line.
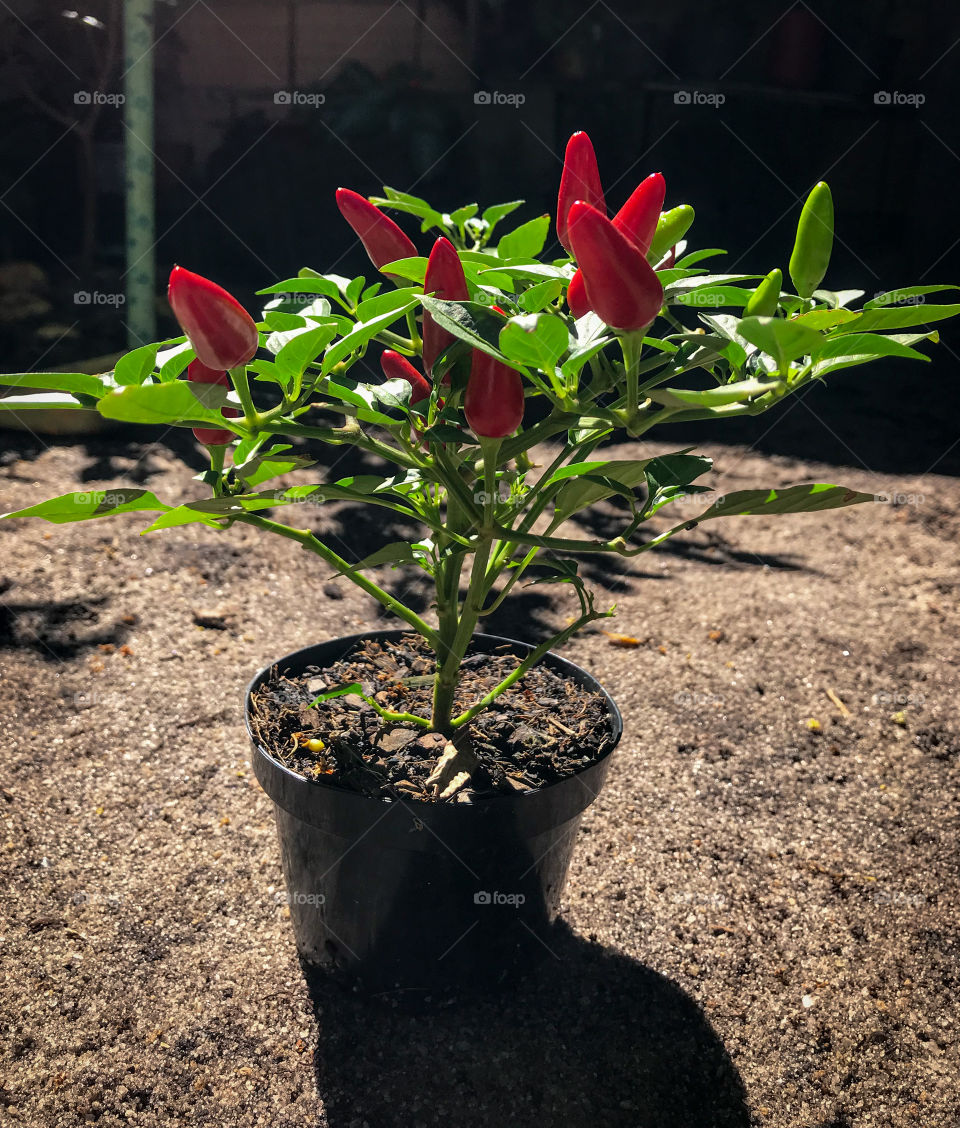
813, 498
90, 504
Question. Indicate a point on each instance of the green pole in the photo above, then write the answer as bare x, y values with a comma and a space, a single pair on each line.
138, 118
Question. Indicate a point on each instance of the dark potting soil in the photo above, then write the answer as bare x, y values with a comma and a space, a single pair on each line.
543, 728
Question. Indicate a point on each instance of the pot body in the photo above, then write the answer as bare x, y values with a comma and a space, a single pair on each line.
413, 899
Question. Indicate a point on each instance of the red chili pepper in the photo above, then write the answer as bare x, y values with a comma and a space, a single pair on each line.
200, 373
397, 367
382, 239
493, 403
580, 180
222, 333
622, 287
638, 217
445, 280
577, 296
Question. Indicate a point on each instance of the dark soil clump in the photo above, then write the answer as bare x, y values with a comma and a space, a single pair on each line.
541, 729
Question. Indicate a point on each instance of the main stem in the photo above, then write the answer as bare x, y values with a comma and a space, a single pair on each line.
458, 624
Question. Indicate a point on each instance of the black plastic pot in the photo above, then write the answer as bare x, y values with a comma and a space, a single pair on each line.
415, 899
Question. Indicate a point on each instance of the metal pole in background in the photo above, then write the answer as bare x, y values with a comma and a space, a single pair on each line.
141, 314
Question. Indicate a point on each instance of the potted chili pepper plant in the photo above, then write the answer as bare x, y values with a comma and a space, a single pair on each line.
428, 780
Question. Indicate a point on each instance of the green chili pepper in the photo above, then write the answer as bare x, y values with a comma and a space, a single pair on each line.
814, 242
766, 297
671, 228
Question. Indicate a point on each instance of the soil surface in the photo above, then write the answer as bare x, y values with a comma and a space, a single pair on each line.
542, 728
761, 922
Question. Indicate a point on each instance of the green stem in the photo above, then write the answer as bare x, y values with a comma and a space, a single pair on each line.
241, 385
451, 656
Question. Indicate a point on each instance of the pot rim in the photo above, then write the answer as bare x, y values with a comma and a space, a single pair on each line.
566, 666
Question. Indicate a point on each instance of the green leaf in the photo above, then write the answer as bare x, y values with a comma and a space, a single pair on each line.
362, 334
263, 469
737, 392
182, 515
820, 319
895, 297
865, 344
174, 362
711, 297
341, 691
393, 301
40, 401
535, 339
540, 295
468, 321
794, 499
586, 483
783, 340
413, 268
325, 286
89, 505
493, 214
698, 256
302, 348
73, 382
400, 552
902, 317
525, 241
136, 366
182, 403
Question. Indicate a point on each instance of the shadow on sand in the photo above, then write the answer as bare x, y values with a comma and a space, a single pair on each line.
591, 1038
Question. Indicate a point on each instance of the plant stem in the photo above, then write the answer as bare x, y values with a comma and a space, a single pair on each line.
241, 385
450, 657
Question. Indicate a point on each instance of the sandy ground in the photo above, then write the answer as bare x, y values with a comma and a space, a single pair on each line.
760, 925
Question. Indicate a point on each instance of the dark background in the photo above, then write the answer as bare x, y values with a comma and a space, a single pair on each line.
245, 186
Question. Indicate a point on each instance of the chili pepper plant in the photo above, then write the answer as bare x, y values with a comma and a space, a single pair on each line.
494, 342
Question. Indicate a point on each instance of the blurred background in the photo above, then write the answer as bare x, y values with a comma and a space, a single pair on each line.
259, 109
